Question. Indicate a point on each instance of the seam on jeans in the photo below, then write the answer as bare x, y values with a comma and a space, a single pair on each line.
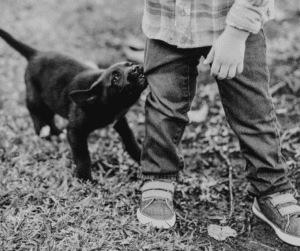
146, 54
188, 85
272, 114
180, 129
276, 130
179, 132
146, 131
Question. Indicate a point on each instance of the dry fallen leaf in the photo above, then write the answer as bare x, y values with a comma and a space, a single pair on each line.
221, 233
200, 115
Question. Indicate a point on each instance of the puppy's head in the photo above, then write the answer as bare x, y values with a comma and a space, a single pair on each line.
121, 84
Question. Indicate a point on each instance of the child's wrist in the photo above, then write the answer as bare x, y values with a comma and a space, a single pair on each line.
236, 33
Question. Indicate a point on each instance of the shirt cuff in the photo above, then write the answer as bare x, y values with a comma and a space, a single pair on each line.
247, 17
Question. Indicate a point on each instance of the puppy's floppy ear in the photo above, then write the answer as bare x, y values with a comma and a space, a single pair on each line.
83, 97
89, 96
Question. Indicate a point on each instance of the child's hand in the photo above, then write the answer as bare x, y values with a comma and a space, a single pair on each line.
227, 54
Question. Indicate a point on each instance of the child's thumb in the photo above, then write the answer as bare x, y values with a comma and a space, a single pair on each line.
210, 57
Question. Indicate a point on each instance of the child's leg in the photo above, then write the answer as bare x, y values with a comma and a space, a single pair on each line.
171, 74
250, 113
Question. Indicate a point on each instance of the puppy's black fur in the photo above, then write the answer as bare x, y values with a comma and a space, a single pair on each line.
88, 97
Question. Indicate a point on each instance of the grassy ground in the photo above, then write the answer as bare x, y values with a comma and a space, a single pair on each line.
42, 207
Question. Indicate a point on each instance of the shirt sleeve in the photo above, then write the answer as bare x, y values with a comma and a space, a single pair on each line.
250, 15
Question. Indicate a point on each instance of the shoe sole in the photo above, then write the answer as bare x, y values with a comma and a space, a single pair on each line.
292, 240
166, 224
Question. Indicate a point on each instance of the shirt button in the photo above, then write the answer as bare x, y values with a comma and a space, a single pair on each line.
182, 12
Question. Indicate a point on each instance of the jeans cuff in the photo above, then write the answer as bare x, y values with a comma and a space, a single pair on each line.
159, 176
252, 191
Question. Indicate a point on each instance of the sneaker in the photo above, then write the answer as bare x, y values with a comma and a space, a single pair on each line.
282, 212
156, 206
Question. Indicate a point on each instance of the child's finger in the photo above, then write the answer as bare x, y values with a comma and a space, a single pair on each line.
223, 72
215, 68
232, 71
210, 57
240, 68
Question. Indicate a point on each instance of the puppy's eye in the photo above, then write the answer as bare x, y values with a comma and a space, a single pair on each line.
115, 78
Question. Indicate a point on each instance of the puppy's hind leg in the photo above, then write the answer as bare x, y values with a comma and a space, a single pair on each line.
43, 120
38, 123
49, 120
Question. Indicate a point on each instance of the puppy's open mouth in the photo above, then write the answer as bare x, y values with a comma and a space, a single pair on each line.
142, 80
136, 77
141, 76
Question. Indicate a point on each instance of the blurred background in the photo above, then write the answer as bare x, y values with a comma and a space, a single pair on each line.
97, 30
93, 30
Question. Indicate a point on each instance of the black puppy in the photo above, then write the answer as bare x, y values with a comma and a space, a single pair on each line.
88, 97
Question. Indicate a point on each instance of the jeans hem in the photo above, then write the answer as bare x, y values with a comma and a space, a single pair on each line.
252, 191
167, 176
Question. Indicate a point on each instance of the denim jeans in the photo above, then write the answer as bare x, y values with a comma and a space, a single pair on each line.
171, 73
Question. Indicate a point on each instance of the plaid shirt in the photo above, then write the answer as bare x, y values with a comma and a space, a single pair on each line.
198, 23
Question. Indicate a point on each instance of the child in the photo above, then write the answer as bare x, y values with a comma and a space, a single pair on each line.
228, 34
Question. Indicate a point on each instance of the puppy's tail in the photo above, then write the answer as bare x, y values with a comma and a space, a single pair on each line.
24, 49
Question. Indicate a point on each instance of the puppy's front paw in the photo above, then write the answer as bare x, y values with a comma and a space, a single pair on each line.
84, 181
84, 176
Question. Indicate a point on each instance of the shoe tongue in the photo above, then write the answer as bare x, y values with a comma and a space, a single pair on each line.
291, 191
275, 194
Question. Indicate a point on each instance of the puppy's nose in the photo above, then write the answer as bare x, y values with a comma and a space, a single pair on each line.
137, 69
